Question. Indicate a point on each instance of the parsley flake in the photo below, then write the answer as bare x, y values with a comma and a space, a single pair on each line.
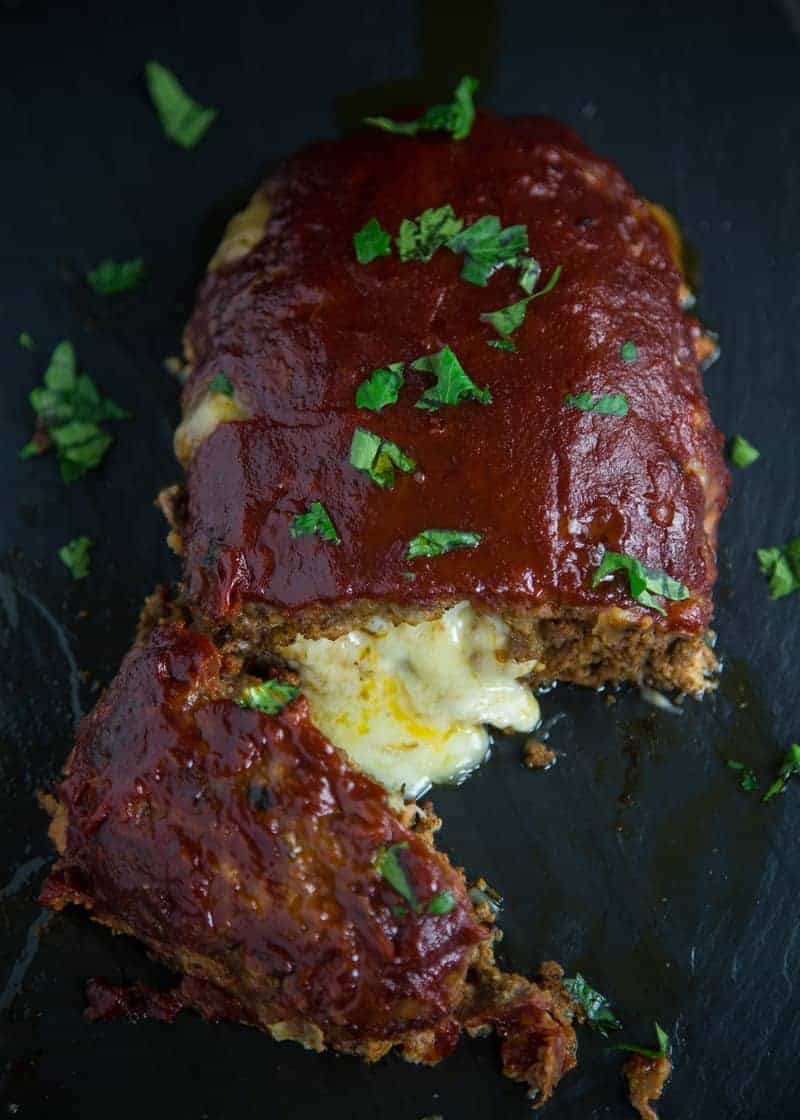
75, 555
611, 404
418, 239
628, 351
486, 246
372, 241
316, 520
219, 383
595, 1006
644, 582
182, 119
111, 277
390, 869
269, 696
452, 386
790, 767
529, 272
503, 344
380, 388
25, 340
507, 319
455, 117
742, 453
69, 410
662, 1038
441, 903
378, 458
782, 568
435, 542
747, 779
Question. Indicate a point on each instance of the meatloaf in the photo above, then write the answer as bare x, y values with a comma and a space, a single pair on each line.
251, 856
291, 323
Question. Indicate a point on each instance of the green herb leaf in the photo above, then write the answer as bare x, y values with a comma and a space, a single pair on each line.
25, 341
529, 272
380, 388
596, 1007
662, 1038
452, 383
507, 319
455, 117
435, 542
418, 239
789, 767
644, 582
317, 521
747, 779
782, 567
371, 241
378, 457
487, 246
182, 119
742, 453
628, 351
220, 384
69, 411
269, 696
111, 277
75, 555
503, 344
441, 903
612, 404
390, 868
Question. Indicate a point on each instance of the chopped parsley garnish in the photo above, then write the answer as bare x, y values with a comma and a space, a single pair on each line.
441, 903
75, 555
220, 384
269, 696
789, 768
502, 344
644, 582
316, 520
487, 246
390, 868
742, 453
378, 457
507, 319
455, 117
452, 386
529, 273
435, 542
69, 411
610, 404
595, 1006
662, 1038
111, 277
747, 779
380, 388
182, 119
25, 340
418, 239
782, 567
372, 241
628, 351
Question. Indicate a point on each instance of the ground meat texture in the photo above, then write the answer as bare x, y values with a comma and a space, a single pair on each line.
295, 324
646, 1078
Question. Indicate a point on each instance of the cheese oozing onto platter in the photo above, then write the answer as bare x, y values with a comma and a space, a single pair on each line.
409, 703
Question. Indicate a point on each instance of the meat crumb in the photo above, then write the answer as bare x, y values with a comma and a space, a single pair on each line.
646, 1078
537, 755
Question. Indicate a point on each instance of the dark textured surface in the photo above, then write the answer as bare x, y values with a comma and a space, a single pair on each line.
636, 859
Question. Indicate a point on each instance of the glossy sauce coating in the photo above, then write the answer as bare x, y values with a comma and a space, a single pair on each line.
248, 843
298, 324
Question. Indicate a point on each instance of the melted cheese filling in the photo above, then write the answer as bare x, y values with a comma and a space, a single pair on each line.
409, 703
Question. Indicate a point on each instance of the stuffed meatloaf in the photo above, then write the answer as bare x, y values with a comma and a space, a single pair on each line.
250, 855
532, 479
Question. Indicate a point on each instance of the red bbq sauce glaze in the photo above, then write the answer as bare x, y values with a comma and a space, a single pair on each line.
208, 828
298, 324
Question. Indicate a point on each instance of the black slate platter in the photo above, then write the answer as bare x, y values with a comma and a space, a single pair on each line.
636, 859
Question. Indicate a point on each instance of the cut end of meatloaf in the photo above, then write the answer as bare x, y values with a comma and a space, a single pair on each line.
313, 867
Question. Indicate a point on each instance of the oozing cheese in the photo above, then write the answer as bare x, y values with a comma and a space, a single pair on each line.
409, 702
